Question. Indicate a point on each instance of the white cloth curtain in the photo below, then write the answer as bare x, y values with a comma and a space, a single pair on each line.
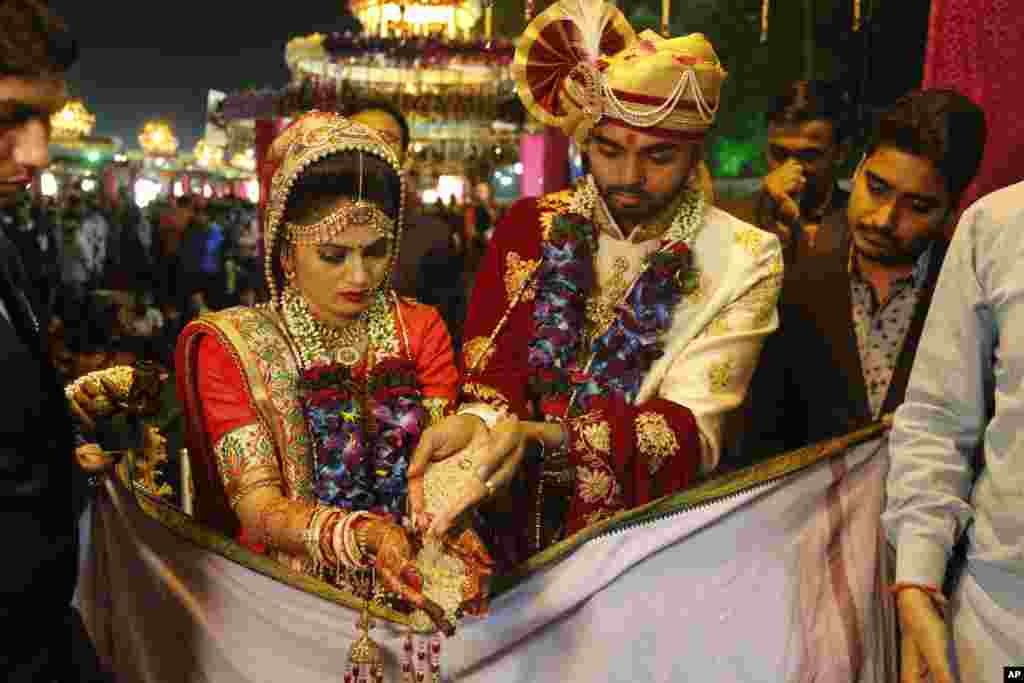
714, 594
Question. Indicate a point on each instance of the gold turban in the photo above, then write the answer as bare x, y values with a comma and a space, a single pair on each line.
580, 63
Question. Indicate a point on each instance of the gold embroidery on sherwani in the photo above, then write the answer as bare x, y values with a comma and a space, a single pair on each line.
775, 266
598, 435
595, 480
556, 201
436, 409
655, 440
699, 293
749, 238
761, 299
517, 275
719, 327
547, 221
720, 375
601, 305
485, 394
477, 352
594, 485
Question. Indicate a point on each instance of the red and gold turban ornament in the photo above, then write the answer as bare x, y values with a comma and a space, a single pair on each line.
309, 139
580, 63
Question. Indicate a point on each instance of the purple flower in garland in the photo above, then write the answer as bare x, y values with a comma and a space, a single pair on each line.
624, 354
621, 356
565, 276
353, 469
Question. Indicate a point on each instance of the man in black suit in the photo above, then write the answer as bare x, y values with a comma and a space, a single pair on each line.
851, 312
42, 492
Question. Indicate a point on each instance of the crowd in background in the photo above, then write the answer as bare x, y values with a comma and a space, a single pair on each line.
120, 282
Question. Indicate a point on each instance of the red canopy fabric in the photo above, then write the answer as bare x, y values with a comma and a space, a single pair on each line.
975, 46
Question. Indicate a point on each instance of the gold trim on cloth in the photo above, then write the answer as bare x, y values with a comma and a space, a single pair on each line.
704, 493
518, 272
655, 440
240, 452
269, 359
211, 540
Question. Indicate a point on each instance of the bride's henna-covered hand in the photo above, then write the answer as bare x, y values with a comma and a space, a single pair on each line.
394, 555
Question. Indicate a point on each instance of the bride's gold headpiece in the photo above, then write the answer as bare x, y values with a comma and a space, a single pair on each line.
311, 138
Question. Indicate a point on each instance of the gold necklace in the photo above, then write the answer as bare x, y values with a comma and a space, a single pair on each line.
315, 339
600, 308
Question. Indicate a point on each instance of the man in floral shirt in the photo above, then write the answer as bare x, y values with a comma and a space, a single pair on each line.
613, 325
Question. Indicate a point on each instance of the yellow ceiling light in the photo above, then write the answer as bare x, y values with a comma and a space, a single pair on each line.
72, 122
420, 18
157, 139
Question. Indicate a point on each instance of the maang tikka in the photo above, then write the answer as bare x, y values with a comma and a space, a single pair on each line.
356, 214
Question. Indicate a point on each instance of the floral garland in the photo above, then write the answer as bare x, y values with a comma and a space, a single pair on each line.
565, 276
360, 461
622, 355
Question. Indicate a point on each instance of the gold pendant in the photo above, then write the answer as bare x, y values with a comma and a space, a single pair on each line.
365, 663
348, 356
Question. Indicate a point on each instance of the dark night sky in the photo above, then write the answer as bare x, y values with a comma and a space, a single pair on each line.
159, 59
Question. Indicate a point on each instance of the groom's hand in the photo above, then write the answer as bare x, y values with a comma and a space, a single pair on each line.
448, 437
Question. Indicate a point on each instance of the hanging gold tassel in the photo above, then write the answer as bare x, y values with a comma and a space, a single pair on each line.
666, 11
489, 20
765, 5
365, 661
365, 664
856, 15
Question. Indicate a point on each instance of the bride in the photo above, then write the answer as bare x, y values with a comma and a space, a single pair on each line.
302, 413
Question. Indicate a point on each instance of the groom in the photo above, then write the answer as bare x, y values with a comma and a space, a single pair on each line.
614, 324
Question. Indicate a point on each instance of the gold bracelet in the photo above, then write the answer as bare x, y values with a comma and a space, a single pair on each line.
363, 539
312, 535
241, 493
276, 506
350, 545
